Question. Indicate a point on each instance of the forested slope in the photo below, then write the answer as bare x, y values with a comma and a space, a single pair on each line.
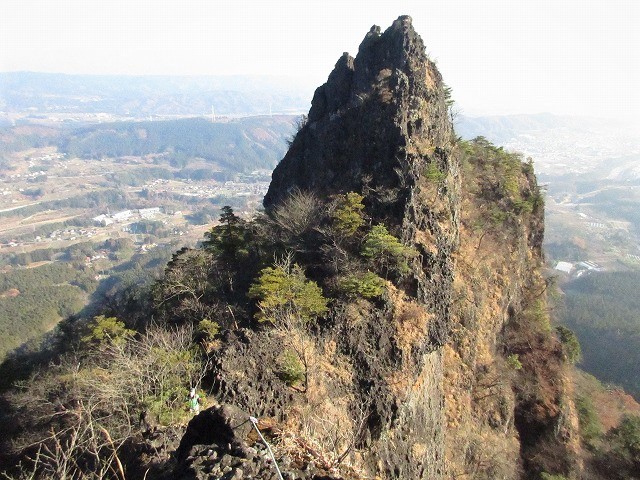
602, 308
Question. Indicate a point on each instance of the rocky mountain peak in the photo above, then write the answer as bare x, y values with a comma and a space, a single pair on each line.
397, 331
380, 127
365, 119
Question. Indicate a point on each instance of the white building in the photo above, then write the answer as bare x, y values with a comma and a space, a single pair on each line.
122, 216
565, 267
102, 220
149, 212
589, 265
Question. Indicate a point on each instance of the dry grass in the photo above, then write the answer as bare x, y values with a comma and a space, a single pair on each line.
427, 240
491, 267
411, 320
325, 424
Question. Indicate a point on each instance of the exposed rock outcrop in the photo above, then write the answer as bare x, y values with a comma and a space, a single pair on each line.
377, 126
372, 108
377, 397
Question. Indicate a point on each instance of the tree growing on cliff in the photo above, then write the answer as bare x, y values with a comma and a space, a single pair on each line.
229, 239
183, 293
289, 301
387, 251
285, 297
290, 225
348, 216
570, 344
102, 332
367, 285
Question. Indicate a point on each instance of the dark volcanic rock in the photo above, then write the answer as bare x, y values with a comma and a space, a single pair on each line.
374, 369
373, 395
221, 426
380, 126
363, 119
217, 445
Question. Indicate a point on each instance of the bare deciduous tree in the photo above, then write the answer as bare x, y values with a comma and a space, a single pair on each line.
77, 415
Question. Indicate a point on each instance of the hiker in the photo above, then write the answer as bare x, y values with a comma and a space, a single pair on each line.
194, 402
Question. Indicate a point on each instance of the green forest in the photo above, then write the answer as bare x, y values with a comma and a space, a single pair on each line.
241, 146
603, 309
33, 300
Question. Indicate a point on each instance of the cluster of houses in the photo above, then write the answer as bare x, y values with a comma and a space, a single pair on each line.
209, 190
68, 234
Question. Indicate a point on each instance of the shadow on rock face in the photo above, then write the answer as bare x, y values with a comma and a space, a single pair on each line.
225, 426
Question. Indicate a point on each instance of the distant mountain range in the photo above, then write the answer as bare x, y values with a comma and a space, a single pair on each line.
151, 95
239, 145
602, 148
239, 95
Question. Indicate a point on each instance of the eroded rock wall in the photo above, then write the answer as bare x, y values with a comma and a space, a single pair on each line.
435, 361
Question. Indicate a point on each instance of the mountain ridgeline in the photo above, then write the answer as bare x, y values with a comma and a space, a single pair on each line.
385, 317
241, 145
142, 96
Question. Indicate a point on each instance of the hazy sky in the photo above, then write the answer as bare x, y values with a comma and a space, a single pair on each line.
509, 56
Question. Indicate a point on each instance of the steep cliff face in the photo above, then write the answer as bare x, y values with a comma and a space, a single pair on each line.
390, 97
380, 127
509, 405
451, 371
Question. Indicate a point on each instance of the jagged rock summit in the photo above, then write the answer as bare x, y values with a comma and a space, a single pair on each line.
367, 117
380, 126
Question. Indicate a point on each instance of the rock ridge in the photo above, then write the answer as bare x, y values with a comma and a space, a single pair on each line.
372, 107
377, 127
445, 327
